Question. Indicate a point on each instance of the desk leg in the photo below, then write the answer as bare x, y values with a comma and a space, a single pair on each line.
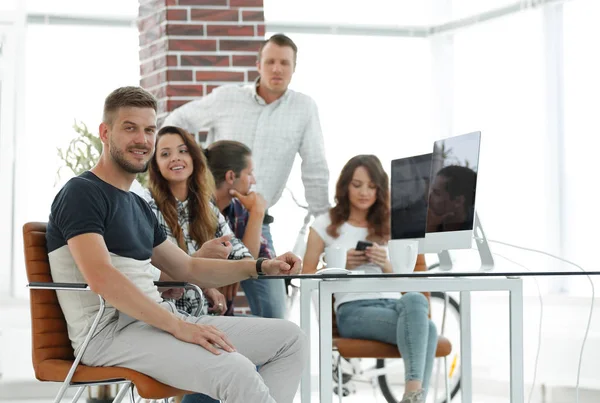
325, 344
305, 306
466, 380
517, 387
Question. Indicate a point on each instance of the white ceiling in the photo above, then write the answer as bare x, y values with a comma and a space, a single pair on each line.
423, 15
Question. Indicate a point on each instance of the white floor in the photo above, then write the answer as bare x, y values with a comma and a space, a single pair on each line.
363, 394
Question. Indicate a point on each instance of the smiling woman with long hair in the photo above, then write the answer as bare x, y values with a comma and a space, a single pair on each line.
362, 213
182, 189
182, 186
186, 178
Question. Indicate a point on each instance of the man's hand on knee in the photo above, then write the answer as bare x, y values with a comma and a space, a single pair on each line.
206, 336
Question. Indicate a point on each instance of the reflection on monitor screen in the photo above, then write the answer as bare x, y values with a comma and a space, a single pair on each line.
410, 184
453, 183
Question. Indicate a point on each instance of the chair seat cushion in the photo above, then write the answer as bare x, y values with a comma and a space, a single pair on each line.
148, 388
358, 348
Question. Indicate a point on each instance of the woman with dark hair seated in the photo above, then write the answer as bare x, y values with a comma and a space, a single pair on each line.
362, 213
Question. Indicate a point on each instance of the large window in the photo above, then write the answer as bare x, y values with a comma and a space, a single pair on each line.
499, 88
69, 70
373, 96
467, 8
7, 138
582, 143
104, 8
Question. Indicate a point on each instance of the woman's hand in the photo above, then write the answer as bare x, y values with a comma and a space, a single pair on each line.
171, 293
218, 248
219, 304
378, 255
229, 291
355, 258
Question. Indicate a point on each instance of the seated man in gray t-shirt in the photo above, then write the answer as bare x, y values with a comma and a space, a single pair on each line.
104, 235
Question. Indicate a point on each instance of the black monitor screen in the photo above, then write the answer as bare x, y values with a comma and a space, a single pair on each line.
410, 184
453, 183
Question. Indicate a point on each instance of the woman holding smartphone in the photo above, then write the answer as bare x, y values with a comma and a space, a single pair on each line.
362, 214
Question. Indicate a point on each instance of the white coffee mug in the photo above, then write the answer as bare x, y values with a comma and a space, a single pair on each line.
403, 255
334, 256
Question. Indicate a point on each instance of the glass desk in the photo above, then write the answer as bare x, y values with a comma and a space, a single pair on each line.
462, 282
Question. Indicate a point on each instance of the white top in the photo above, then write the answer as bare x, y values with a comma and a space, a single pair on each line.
80, 308
274, 132
349, 236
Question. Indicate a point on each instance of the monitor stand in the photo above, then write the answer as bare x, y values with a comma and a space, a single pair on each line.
485, 254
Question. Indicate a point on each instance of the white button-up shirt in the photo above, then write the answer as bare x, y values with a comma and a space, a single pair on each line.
274, 132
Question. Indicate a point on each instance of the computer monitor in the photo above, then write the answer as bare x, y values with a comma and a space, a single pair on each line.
452, 190
410, 189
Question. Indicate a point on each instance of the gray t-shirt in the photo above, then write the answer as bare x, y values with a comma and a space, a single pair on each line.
87, 204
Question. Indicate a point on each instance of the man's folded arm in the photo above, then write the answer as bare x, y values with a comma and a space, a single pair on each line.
93, 260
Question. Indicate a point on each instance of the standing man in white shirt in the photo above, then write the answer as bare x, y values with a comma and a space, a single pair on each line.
276, 123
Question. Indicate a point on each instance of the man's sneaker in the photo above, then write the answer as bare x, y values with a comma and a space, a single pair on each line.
414, 397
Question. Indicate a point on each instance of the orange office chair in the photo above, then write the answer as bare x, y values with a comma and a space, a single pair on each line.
359, 348
52, 353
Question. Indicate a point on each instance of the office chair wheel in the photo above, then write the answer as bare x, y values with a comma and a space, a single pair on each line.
392, 382
346, 377
345, 391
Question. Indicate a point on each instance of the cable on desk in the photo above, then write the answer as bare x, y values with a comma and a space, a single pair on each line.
587, 329
539, 344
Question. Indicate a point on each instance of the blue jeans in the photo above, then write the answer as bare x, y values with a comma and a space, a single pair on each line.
267, 298
266, 233
403, 322
198, 398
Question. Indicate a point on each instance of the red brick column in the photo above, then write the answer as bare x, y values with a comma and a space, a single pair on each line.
189, 47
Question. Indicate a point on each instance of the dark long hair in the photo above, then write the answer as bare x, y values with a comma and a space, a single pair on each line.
201, 186
378, 216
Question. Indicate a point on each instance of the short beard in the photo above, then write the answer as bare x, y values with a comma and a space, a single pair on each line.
119, 157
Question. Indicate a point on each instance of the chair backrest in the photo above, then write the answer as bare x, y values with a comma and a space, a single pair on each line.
49, 337
421, 265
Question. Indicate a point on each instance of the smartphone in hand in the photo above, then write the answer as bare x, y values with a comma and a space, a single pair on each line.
363, 245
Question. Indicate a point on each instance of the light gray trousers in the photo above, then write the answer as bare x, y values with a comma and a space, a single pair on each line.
278, 346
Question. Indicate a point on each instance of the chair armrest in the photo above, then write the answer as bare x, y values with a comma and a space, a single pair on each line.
58, 286
187, 286
171, 284
34, 285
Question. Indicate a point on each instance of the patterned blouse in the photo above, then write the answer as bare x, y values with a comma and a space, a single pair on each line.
189, 302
